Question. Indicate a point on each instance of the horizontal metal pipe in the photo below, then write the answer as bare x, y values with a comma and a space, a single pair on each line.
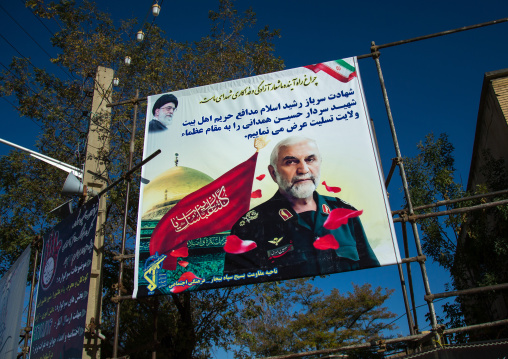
128, 173
454, 293
118, 298
451, 211
375, 48
125, 102
442, 33
455, 200
476, 326
409, 338
422, 258
123, 256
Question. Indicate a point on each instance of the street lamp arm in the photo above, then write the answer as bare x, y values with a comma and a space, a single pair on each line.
59, 164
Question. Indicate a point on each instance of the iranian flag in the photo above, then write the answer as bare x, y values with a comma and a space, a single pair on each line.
212, 209
338, 69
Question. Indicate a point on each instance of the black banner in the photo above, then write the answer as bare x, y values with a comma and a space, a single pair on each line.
64, 279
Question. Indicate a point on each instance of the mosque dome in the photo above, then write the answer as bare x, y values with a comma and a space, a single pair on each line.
163, 192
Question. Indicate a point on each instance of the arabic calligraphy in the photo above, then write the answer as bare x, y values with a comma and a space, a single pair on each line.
263, 87
183, 283
275, 119
213, 204
60, 316
257, 274
64, 337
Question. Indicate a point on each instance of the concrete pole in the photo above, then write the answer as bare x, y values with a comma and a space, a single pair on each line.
97, 149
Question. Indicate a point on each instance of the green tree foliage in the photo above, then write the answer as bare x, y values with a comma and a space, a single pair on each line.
60, 103
472, 246
294, 316
188, 325
430, 176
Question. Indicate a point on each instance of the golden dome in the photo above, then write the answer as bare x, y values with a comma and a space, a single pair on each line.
163, 192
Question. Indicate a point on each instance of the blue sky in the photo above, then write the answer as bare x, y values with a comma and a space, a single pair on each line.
433, 85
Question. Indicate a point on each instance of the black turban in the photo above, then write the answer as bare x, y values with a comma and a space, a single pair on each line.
164, 99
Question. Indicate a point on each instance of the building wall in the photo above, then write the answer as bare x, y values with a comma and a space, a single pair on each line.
491, 134
492, 125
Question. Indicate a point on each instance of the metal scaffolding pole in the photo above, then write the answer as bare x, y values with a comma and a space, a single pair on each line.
410, 276
124, 231
423, 269
412, 218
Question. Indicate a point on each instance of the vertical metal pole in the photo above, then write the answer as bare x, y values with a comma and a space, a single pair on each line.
406, 301
409, 276
399, 266
124, 231
404, 183
28, 327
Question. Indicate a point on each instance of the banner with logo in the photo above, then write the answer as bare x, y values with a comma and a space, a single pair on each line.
264, 178
12, 297
64, 280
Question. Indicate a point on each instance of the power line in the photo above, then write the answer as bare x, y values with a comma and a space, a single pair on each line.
17, 109
36, 42
22, 28
38, 18
403, 315
28, 60
15, 49
46, 108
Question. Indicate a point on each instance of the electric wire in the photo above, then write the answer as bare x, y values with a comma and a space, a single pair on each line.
38, 18
45, 107
28, 60
17, 109
36, 42
403, 315
80, 106
15, 49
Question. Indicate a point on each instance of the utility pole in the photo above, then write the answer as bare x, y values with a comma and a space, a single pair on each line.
97, 148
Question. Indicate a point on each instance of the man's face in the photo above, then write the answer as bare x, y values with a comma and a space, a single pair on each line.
298, 169
165, 113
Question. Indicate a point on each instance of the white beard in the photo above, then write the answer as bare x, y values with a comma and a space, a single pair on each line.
166, 119
298, 190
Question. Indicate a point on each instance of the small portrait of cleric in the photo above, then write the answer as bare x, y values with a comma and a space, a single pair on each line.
287, 227
163, 111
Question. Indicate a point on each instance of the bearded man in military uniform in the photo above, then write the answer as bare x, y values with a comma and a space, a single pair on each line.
286, 226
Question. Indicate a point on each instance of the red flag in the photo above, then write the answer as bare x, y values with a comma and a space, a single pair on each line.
212, 209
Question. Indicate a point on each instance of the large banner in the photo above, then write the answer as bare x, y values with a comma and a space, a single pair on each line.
265, 178
12, 297
64, 280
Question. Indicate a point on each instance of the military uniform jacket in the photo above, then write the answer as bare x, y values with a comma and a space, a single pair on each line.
285, 240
